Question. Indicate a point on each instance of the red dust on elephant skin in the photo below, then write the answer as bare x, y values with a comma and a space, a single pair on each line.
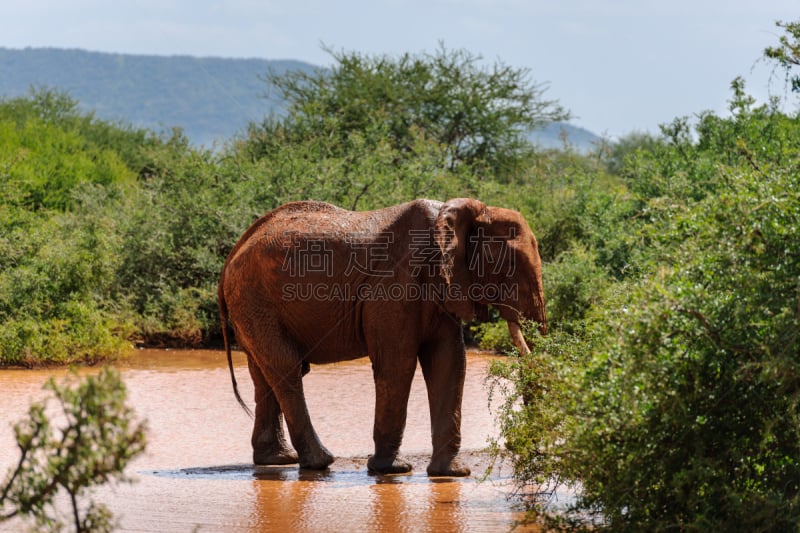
312, 283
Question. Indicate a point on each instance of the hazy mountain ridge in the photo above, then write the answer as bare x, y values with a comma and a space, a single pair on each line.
212, 99
559, 134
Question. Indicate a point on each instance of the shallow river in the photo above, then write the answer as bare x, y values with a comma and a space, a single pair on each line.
196, 474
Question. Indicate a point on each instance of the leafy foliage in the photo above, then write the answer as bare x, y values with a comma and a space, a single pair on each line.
99, 437
477, 116
46, 151
689, 412
787, 53
675, 399
59, 250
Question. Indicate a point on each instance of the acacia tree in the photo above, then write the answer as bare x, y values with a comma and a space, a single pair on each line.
480, 115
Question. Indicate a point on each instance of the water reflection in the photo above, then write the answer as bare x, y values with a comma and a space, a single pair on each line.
197, 473
288, 473
388, 507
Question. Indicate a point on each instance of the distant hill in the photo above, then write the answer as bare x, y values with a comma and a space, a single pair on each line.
557, 134
212, 99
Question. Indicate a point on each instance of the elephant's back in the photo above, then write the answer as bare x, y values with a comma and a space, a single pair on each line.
281, 220
320, 221
291, 216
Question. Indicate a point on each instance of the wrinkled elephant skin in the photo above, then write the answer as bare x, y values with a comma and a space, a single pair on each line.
312, 283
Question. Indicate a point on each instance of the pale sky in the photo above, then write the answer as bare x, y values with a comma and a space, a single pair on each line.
619, 66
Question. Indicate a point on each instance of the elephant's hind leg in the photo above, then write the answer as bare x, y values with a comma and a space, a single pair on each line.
289, 389
281, 364
269, 444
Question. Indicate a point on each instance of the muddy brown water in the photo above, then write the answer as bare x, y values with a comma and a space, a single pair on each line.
196, 474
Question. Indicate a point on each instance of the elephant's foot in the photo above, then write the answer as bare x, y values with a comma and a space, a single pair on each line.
317, 460
282, 456
449, 468
394, 465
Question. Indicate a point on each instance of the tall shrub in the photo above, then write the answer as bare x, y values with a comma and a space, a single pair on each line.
677, 405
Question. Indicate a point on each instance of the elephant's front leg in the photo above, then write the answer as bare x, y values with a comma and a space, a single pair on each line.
443, 363
393, 373
269, 444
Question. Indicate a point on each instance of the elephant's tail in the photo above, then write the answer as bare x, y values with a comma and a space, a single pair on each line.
223, 317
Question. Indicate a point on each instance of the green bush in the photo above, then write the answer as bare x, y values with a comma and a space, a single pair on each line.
55, 282
45, 150
689, 410
575, 284
91, 442
493, 336
674, 402
534, 394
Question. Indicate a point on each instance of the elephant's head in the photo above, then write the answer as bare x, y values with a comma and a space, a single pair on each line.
490, 257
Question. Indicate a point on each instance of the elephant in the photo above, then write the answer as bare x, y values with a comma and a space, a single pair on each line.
310, 282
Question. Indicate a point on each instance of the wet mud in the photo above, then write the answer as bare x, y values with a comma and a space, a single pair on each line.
197, 475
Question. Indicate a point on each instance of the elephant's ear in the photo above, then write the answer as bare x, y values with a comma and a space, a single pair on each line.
455, 221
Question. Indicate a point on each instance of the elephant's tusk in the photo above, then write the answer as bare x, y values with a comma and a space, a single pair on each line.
517, 338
